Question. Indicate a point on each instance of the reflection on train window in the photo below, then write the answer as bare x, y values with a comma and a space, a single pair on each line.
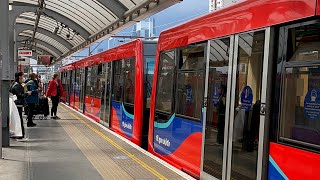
99, 75
118, 81
192, 58
301, 105
129, 80
304, 43
190, 94
165, 82
247, 105
88, 88
190, 81
216, 111
148, 78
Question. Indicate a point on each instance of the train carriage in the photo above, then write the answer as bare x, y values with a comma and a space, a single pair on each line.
114, 88
236, 93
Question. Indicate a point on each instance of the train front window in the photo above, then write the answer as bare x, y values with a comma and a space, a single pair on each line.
129, 78
190, 94
190, 81
118, 80
165, 82
192, 58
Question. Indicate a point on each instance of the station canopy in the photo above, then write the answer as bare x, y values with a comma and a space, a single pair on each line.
62, 27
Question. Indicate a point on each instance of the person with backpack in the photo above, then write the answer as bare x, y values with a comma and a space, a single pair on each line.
54, 91
18, 90
32, 99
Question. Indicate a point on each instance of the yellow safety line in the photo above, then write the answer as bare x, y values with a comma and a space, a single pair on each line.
137, 160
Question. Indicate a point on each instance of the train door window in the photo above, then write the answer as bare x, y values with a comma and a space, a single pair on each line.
98, 78
217, 106
165, 82
118, 80
129, 80
300, 110
190, 81
148, 78
94, 74
246, 108
89, 81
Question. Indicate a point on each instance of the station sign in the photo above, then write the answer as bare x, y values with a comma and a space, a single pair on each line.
24, 61
25, 53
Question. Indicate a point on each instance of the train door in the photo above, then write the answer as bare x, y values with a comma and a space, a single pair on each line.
235, 103
68, 87
82, 85
72, 88
105, 94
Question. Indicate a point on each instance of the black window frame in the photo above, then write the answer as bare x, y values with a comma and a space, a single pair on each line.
286, 63
132, 60
196, 71
175, 52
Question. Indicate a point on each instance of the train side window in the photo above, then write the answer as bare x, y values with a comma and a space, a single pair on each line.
190, 81
301, 105
165, 82
192, 58
304, 43
129, 80
148, 78
118, 81
300, 108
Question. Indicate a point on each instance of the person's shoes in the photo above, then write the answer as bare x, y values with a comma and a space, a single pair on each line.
52, 117
22, 139
57, 117
31, 125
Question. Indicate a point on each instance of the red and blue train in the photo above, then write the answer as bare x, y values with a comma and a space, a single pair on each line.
114, 87
234, 94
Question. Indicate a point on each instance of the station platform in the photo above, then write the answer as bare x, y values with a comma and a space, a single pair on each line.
75, 147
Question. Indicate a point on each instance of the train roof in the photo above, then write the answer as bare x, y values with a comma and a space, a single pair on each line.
244, 16
127, 50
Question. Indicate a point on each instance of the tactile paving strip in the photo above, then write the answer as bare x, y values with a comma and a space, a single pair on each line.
132, 164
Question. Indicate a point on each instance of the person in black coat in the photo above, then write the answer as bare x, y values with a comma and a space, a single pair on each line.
18, 90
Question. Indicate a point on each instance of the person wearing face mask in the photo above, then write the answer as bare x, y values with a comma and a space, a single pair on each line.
18, 90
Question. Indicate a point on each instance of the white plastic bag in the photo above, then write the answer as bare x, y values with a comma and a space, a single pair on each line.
14, 119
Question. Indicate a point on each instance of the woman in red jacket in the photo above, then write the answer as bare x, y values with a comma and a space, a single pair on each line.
54, 91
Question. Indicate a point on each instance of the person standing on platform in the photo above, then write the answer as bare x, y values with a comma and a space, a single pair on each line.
18, 90
54, 91
32, 99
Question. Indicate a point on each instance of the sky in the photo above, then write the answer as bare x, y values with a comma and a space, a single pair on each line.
172, 16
